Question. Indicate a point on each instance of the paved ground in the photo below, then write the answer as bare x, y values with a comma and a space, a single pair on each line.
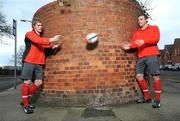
170, 110
8, 82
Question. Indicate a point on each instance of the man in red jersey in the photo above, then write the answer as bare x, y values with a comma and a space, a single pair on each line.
34, 60
145, 40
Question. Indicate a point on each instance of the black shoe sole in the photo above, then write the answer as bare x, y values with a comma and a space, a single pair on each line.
21, 104
155, 106
28, 112
143, 101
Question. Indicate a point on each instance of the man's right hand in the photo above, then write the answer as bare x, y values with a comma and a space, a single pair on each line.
55, 40
139, 42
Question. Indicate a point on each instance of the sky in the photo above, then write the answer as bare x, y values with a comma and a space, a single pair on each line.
164, 14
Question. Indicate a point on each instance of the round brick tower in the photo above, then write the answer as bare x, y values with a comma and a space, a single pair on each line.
97, 74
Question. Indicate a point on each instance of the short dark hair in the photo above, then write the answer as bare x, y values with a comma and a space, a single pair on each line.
35, 21
143, 14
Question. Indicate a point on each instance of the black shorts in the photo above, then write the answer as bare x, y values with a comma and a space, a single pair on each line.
148, 65
32, 71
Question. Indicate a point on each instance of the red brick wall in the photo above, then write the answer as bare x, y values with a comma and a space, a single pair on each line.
80, 76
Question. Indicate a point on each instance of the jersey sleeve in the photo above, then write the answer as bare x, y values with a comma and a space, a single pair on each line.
155, 36
37, 39
133, 45
46, 46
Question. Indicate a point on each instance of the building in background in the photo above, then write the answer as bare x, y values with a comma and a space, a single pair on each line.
176, 52
170, 56
168, 53
161, 60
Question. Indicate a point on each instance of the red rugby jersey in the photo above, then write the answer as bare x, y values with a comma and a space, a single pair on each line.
151, 36
35, 46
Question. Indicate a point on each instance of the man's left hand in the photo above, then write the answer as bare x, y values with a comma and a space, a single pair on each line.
57, 45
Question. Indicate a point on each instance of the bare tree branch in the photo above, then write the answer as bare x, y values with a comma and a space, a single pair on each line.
144, 4
5, 29
19, 56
